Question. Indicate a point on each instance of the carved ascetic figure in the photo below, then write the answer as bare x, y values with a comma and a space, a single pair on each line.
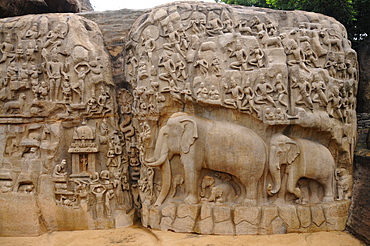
194, 139
303, 159
60, 169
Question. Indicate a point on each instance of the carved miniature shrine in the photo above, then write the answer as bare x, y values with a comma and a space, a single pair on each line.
231, 120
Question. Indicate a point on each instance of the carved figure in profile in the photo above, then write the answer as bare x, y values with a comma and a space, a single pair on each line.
169, 68
174, 91
316, 163
256, 56
216, 68
17, 106
60, 170
103, 101
181, 71
331, 64
82, 69
7, 48
244, 29
263, 91
248, 148
236, 92
351, 70
241, 56
267, 41
331, 41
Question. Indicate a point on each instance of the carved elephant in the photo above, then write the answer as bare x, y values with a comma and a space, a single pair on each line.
219, 192
304, 159
204, 143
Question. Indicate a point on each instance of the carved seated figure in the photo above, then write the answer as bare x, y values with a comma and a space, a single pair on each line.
60, 169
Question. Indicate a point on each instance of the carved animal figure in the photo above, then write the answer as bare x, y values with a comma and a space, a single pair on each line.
344, 183
331, 42
304, 159
221, 192
15, 106
266, 40
203, 143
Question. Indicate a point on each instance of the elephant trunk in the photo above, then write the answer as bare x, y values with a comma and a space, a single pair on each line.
274, 169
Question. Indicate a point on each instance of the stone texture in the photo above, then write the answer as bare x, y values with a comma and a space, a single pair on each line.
318, 216
289, 215
251, 215
358, 222
10, 8
245, 228
304, 215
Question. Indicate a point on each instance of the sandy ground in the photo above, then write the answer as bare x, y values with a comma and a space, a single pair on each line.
137, 235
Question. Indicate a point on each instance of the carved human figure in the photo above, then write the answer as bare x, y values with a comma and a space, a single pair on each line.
335, 103
228, 24
7, 49
304, 89
187, 93
202, 92
109, 194
44, 91
341, 67
269, 115
92, 106
169, 68
55, 36
82, 69
149, 44
331, 64
297, 55
256, 55
213, 93
60, 170
280, 90
319, 90
271, 27
142, 71
280, 115
216, 68
236, 92
32, 33
23, 75
67, 92
203, 65
173, 38
98, 192
248, 101
214, 24
310, 57
55, 70
103, 101
241, 58
263, 91
344, 183
181, 74
257, 25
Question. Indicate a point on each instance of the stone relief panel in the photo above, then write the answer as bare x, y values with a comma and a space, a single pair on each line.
245, 119
66, 144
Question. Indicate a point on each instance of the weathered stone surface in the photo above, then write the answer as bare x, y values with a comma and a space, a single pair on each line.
205, 226
245, 227
304, 215
289, 215
268, 215
169, 211
359, 221
221, 213
187, 210
318, 216
154, 218
224, 228
10, 8
251, 215
336, 214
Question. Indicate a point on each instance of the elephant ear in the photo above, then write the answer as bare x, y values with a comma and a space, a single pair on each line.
188, 135
293, 151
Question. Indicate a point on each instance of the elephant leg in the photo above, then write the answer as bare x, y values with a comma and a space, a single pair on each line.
328, 189
191, 179
251, 187
292, 184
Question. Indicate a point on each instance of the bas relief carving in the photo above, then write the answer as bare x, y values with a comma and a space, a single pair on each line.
232, 121
65, 140
239, 110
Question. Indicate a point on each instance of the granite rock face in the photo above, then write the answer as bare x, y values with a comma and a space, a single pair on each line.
10, 8
203, 118
239, 108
